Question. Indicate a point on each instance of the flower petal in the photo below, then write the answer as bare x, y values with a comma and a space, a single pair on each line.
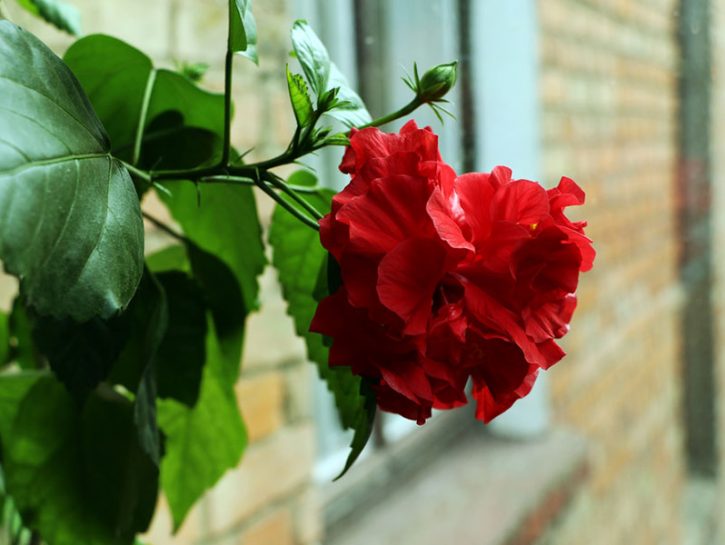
407, 278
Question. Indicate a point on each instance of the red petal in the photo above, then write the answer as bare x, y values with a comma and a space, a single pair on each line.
476, 192
407, 278
521, 202
439, 209
408, 379
392, 211
500, 176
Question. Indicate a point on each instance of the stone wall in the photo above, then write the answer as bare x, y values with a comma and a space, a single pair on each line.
609, 120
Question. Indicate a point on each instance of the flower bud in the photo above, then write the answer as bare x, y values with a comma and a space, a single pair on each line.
437, 81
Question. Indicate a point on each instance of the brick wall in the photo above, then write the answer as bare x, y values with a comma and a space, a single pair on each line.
718, 160
609, 107
269, 499
609, 120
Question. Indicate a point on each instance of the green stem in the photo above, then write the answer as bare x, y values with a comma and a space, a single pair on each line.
258, 173
165, 228
289, 156
222, 179
284, 204
280, 184
228, 65
138, 172
405, 110
227, 101
142, 118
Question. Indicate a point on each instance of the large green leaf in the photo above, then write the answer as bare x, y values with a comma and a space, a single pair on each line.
323, 76
70, 223
80, 354
59, 14
13, 388
300, 259
222, 297
23, 351
222, 221
203, 442
148, 317
4, 339
182, 351
243, 39
129, 94
77, 475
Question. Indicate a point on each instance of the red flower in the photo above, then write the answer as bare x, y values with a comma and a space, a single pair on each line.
446, 279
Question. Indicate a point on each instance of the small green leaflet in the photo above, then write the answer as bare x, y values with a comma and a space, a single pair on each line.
60, 14
324, 76
243, 29
70, 222
299, 258
300, 98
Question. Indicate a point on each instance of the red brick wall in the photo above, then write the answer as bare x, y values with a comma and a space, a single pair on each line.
609, 120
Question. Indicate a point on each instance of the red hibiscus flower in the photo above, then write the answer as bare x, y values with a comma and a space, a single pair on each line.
446, 279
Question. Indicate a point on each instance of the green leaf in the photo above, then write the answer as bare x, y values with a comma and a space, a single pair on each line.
302, 178
299, 259
4, 339
350, 108
77, 475
243, 35
171, 258
201, 443
222, 220
169, 144
300, 98
225, 301
80, 354
70, 222
182, 352
60, 14
14, 387
323, 76
121, 479
151, 316
221, 294
195, 71
23, 350
128, 94
313, 56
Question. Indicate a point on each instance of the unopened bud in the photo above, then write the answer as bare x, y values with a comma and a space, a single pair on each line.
437, 81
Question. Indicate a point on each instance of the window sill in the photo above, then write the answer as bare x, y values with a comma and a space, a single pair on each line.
478, 489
